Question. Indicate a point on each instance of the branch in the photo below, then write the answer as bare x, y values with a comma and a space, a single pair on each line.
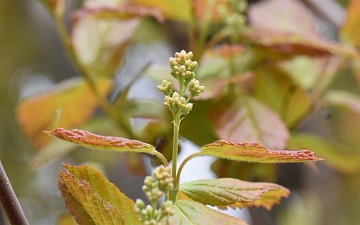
9, 201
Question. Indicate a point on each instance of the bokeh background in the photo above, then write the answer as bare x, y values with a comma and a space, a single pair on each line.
32, 59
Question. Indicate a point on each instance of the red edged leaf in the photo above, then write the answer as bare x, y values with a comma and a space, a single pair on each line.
234, 193
193, 213
350, 30
254, 152
64, 106
90, 196
90, 140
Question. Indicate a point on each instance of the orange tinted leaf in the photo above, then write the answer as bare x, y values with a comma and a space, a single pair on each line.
234, 193
180, 10
69, 104
92, 199
350, 30
247, 119
254, 152
193, 213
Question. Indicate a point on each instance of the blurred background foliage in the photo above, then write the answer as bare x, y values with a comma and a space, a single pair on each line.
287, 77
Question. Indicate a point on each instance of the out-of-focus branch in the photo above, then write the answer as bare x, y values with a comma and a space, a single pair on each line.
327, 9
9, 201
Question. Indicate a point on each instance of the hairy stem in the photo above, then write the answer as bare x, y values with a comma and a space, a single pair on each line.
174, 154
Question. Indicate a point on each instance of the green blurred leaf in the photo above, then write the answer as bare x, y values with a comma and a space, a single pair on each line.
100, 43
64, 106
247, 119
350, 30
231, 192
337, 155
275, 88
254, 152
193, 213
180, 10
344, 100
92, 199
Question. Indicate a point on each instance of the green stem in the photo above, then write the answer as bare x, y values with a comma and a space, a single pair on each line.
182, 166
175, 153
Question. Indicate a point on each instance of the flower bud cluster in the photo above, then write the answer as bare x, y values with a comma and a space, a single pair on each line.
177, 104
151, 216
182, 67
237, 18
160, 181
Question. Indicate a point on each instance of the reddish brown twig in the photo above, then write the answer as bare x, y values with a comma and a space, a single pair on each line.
9, 201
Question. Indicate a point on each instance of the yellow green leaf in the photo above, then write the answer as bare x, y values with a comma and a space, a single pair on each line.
180, 10
350, 30
193, 213
69, 104
234, 193
254, 152
92, 199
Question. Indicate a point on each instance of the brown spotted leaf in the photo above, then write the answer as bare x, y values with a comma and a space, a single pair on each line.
69, 104
119, 144
92, 199
254, 152
231, 192
90, 140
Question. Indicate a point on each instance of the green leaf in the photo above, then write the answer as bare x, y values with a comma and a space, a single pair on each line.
180, 10
254, 152
350, 30
92, 199
344, 158
193, 213
64, 106
275, 88
234, 193
247, 119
